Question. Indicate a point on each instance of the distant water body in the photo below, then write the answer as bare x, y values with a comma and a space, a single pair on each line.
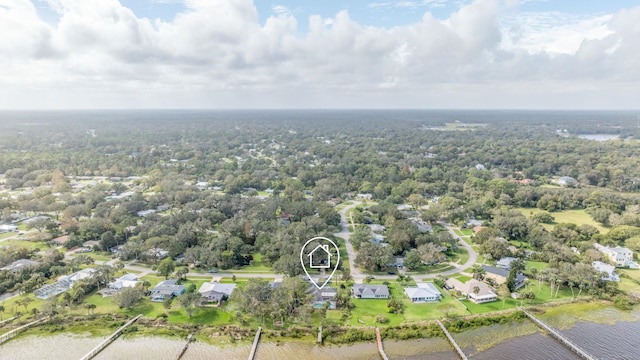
522, 341
599, 137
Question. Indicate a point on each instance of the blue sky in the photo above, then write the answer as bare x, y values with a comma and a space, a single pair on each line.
386, 13
552, 54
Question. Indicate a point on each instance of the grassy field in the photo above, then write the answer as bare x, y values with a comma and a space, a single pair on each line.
98, 256
256, 266
366, 310
538, 265
578, 217
30, 245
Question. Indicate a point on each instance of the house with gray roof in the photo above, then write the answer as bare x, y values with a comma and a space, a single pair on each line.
321, 297
20, 265
366, 291
505, 262
215, 291
499, 276
423, 292
166, 289
607, 272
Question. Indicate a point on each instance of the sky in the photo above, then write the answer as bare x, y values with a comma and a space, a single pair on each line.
319, 54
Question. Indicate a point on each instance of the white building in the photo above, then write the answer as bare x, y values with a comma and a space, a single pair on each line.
620, 256
8, 228
127, 280
424, 292
607, 271
483, 294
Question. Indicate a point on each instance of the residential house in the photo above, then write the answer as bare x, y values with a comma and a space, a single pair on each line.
8, 228
125, 281
607, 271
216, 292
166, 289
320, 257
377, 228
474, 222
20, 265
424, 292
620, 256
365, 196
81, 275
365, 291
61, 240
505, 262
567, 181
321, 297
63, 284
499, 276
475, 290
157, 253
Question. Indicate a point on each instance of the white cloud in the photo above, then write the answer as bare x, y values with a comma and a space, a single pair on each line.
218, 54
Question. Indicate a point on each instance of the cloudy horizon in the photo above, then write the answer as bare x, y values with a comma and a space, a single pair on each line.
221, 54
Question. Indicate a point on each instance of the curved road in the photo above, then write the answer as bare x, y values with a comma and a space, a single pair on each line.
359, 275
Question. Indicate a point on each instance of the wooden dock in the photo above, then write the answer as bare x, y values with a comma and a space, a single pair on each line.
561, 338
186, 346
8, 335
6, 321
254, 347
452, 341
109, 340
380, 348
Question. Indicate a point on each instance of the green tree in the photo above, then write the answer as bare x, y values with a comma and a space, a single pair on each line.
189, 302
127, 297
166, 267
412, 260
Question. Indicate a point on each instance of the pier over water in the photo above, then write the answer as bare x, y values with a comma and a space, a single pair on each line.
561, 338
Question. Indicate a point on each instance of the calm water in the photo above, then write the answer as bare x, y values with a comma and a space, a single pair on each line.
599, 137
521, 340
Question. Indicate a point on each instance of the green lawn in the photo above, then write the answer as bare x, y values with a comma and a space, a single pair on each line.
256, 266
98, 256
30, 245
538, 265
578, 217
428, 269
7, 234
366, 310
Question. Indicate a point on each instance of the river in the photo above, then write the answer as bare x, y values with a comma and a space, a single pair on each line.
605, 334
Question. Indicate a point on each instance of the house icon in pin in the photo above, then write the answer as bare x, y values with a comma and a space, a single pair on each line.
322, 257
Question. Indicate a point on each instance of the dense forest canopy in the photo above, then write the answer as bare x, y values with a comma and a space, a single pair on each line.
218, 187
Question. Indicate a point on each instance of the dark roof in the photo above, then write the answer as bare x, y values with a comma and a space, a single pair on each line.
501, 272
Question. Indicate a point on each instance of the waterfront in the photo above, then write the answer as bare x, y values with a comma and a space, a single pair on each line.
604, 333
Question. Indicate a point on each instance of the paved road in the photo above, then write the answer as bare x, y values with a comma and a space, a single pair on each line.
356, 274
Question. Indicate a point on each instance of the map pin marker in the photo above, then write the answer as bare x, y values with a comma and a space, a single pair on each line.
320, 256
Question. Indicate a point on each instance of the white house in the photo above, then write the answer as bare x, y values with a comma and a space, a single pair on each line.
607, 271
125, 281
320, 257
620, 256
8, 228
424, 292
483, 294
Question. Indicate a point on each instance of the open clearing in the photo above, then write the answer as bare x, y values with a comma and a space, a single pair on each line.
577, 217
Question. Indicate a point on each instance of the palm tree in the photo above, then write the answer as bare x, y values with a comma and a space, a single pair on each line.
478, 272
89, 307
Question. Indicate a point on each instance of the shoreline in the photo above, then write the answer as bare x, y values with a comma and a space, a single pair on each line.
561, 316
